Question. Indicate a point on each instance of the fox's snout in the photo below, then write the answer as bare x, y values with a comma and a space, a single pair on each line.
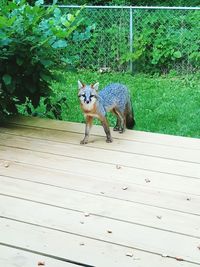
87, 98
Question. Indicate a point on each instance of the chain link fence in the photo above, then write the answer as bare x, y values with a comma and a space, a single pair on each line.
137, 39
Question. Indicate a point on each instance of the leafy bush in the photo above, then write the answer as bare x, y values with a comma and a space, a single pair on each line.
108, 42
131, 2
33, 40
163, 40
166, 40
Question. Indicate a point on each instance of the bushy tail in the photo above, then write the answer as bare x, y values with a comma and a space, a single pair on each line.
130, 120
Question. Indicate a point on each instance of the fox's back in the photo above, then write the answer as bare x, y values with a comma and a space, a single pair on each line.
115, 94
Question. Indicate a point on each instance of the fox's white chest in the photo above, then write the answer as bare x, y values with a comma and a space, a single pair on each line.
88, 107
94, 115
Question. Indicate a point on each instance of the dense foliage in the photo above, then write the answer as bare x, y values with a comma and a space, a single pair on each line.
165, 40
162, 40
33, 39
132, 2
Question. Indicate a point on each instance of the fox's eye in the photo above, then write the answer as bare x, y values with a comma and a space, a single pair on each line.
92, 96
81, 95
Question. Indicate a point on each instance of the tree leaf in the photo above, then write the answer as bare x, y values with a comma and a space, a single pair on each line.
177, 54
57, 13
59, 44
19, 61
46, 62
39, 3
7, 79
45, 77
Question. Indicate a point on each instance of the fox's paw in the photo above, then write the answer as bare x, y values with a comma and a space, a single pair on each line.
109, 140
83, 142
116, 129
121, 130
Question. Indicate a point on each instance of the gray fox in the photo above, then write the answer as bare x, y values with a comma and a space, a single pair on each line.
115, 98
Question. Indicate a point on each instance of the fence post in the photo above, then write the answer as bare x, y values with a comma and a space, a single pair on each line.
131, 37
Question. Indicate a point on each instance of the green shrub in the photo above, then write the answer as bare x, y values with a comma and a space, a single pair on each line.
163, 40
33, 40
131, 2
166, 40
108, 42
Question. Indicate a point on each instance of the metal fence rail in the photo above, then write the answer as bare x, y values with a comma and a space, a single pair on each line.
140, 38
133, 7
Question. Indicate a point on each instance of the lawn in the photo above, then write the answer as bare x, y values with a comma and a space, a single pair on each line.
167, 104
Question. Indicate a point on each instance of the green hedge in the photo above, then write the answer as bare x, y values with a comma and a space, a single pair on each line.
165, 40
132, 2
162, 40
33, 41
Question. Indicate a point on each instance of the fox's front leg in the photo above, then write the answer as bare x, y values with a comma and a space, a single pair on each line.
88, 126
106, 129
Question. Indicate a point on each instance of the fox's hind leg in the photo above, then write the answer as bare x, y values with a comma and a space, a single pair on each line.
118, 122
88, 126
117, 126
121, 121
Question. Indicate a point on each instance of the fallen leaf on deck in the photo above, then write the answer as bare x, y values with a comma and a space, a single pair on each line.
179, 259
147, 180
125, 188
159, 217
129, 254
6, 164
41, 263
118, 167
86, 214
109, 231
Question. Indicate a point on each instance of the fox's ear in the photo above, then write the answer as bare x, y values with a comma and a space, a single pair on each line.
95, 86
80, 85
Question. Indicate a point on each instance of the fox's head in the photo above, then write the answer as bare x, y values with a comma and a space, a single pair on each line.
87, 94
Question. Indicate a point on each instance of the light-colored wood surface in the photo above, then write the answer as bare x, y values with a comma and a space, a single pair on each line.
134, 202
10, 257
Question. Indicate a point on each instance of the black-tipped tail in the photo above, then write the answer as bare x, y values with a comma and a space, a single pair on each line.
130, 120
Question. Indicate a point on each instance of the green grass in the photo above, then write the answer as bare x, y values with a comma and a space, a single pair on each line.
163, 104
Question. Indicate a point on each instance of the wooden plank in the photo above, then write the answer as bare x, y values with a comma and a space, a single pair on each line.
126, 212
94, 252
94, 155
178, 141
133, 147
168, 200
135, 225
10, 257
110, 186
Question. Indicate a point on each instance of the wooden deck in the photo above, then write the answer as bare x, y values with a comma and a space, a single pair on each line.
134, 202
